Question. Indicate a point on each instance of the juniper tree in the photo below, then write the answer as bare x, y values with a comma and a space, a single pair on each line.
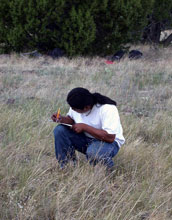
77, 27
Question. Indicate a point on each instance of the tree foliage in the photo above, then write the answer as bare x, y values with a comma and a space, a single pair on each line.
75, 26
119, 22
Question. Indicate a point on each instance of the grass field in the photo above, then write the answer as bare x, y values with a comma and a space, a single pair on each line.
31, 185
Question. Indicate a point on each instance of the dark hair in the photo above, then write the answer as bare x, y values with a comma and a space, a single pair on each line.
80, 97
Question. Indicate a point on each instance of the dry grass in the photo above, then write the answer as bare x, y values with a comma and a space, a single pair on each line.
31, 184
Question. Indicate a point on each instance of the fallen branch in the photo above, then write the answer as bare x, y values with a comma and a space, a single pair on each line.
167, 41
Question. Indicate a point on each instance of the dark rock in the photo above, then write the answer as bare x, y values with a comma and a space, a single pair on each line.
118, 55
135, 54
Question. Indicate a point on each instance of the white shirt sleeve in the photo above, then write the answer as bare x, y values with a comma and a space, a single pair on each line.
70, 113
110, 119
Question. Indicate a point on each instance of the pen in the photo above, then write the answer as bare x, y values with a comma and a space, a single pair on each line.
58, 114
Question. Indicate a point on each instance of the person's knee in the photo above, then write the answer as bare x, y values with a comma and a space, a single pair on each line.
97, 153
95, 157
91, 153
59, 130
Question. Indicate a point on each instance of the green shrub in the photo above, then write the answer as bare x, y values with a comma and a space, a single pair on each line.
75, 26
119, 22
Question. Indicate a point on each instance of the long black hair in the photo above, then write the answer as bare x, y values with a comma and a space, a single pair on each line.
80, 97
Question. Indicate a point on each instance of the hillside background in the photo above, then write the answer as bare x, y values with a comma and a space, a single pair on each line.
31, 184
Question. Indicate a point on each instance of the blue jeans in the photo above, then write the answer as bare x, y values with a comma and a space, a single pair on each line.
67, 141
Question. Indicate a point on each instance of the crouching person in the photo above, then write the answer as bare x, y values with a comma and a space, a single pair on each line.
95, 129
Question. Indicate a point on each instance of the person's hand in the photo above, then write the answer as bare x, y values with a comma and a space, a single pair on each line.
55, 119
78, 127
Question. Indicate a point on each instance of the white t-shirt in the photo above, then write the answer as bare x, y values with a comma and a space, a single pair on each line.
105, 117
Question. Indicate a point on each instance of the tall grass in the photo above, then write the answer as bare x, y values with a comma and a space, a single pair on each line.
31, 184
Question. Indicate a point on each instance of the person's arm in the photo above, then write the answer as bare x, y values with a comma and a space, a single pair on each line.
97, 133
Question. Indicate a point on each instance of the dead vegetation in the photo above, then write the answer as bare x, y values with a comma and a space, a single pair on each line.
31, 184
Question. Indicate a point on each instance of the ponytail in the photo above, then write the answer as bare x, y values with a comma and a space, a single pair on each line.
101, 99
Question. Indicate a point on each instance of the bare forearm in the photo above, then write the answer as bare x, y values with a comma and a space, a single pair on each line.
66, 119
99, 134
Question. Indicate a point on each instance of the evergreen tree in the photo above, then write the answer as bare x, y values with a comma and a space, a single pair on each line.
47, 24
119, 22
78, 27
78, 31
5, 25
34, 23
